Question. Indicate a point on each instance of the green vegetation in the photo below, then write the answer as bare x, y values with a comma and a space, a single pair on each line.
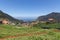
8, 30
43, 34
48, 26
48, 36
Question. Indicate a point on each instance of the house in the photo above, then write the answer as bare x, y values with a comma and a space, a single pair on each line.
52, 20
4, 21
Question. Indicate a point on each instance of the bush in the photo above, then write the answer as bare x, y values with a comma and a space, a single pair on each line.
45, 27
58, 28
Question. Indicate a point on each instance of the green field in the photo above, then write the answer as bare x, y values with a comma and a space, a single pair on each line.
23, 33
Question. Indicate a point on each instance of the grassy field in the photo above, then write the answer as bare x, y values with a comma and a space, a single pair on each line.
53, 36
9, 32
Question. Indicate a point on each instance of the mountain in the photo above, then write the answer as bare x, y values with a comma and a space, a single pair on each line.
27, 19
10, 18
54, 15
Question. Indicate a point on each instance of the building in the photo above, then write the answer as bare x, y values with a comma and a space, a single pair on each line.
4, 21
52, 20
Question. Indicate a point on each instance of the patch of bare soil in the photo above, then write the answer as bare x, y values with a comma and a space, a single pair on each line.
56, 30
19, 35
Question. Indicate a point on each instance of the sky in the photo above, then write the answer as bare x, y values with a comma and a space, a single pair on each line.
29, 8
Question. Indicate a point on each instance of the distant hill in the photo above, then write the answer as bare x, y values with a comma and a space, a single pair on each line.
54, 15
10, 18
27, 19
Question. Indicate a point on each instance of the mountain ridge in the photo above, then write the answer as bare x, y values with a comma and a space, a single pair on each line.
54, 15
10, 18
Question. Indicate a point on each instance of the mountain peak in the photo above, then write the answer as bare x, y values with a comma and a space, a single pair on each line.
54, 15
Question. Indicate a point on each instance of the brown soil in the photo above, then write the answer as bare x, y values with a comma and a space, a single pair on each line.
56, 30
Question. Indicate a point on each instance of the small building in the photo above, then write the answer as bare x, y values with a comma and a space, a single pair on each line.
52, 20
4, 21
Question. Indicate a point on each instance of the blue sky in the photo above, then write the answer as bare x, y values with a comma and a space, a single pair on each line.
29, 8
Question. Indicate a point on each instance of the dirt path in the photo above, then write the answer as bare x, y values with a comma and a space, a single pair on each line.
27, 34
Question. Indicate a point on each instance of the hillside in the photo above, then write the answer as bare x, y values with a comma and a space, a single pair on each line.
54, 15
10, 18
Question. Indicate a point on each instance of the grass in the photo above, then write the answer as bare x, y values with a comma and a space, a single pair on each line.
48, 36
9, 30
